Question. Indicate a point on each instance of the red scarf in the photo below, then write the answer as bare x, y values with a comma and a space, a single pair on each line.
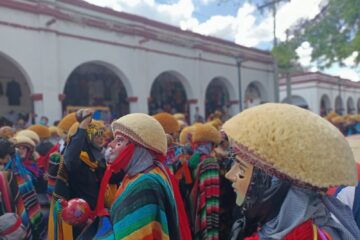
121, 162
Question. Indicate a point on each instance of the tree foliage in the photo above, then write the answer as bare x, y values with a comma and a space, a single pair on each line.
285, 56
333, 34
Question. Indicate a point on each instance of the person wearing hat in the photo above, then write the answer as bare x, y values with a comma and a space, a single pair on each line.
43, 148
181, 168
227, 194
26, 149
285, 159
10, 198
52, 159
204, 196
83, 160
7, 132
55, 134
171, 128
64, 127
26, 173
148, 204
44, 134
30, 134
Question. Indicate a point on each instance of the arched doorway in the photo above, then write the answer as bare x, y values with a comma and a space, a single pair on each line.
15, 91
297, 101
255, 94
325, 105
350, 106
339, 105
217, 97
96, 84
168, 94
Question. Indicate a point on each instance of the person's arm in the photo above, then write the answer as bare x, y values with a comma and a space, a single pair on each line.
73, 150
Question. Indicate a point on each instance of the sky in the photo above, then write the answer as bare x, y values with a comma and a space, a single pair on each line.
235, 20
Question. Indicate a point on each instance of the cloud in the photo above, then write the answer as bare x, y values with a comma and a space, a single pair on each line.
177, 14
304, 53
245, 28
234, 28
350, 61
347, 73
207, 2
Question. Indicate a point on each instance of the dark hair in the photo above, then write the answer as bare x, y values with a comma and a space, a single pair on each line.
6, 147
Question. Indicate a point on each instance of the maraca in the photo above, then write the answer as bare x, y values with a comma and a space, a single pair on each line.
76, 211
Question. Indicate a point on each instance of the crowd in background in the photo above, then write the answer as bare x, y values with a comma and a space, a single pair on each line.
159, 177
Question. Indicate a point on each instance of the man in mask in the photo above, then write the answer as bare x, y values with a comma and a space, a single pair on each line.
148, 204
204, 195
83, 157
285, 160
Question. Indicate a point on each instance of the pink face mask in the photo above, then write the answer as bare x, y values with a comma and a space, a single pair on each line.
117, 145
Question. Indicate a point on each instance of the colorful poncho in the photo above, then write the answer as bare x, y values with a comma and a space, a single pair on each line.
145, 208
28, 196
204, 198
11, 200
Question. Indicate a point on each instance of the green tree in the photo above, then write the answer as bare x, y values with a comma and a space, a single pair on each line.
333, 34
286, 57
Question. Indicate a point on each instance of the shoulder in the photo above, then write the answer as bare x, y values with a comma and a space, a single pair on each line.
143, 185
209, 164
347, 196
152, 180
146, 190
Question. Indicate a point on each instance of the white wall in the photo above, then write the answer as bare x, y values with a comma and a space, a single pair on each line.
313, 92
48, 55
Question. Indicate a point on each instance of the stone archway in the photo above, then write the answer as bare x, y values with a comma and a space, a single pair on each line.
16, 88
325, 105
168, 94
297, 101
255, 94
339, 105
97, 84
217, 96
350, 106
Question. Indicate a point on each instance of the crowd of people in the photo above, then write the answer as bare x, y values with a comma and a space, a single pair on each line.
348, 124
274, 171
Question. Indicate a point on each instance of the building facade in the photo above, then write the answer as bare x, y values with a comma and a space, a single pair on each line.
322, 93
59, 53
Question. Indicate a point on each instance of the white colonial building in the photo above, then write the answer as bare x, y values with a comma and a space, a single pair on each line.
56, 53
322, 93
